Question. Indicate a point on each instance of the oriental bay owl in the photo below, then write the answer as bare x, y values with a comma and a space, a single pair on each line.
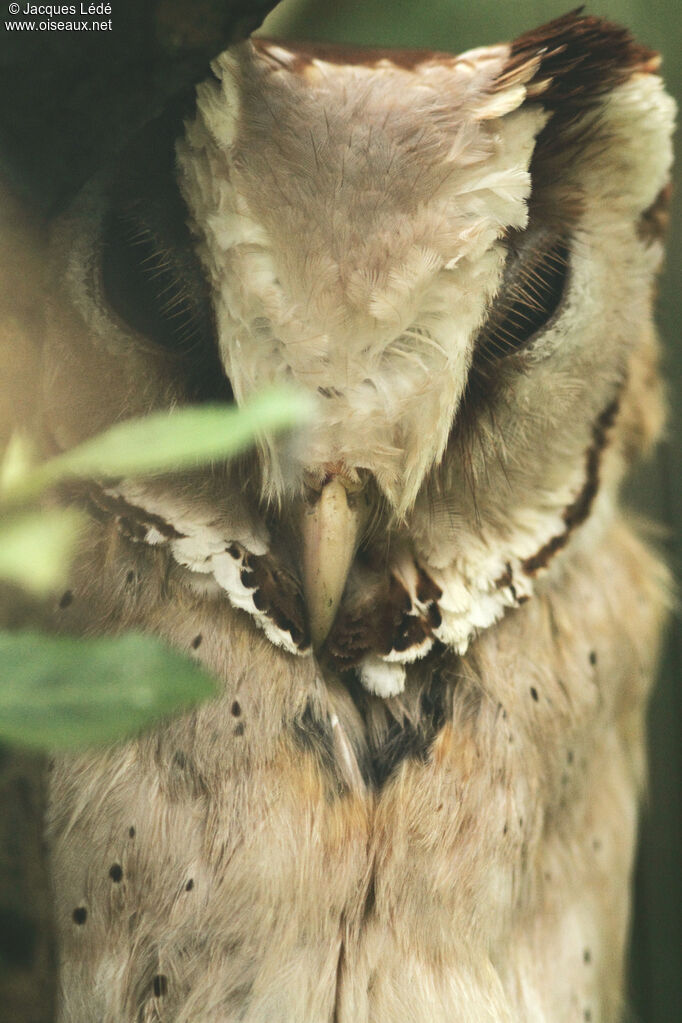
415, 797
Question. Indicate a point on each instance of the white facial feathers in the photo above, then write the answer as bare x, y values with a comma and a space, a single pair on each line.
455, 256
350, 224
364, 223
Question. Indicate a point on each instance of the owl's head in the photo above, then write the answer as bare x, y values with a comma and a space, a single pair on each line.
453, 255
378, 228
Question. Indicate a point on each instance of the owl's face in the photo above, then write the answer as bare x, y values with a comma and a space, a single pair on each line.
453, 255
351, 218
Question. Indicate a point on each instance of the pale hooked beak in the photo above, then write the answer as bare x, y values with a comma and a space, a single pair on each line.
330, 533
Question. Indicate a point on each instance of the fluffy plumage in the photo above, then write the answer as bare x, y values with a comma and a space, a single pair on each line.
431, 816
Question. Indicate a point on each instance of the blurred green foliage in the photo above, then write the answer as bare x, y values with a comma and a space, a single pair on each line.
161, 442
36, 546
63, 693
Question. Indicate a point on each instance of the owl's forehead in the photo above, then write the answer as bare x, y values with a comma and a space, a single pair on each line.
406, 123
439, 89
363, 162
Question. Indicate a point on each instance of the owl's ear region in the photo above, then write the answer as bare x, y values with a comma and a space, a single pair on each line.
151, 276
610, 119
570, 63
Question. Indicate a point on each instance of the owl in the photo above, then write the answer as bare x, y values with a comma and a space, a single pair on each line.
415, 795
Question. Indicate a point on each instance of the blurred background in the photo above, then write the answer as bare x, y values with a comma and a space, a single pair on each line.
455, 25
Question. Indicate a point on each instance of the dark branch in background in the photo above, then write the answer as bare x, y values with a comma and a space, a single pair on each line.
70, 100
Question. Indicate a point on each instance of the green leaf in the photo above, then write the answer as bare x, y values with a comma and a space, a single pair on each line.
66, 693
36, 547
18, 459
165, 441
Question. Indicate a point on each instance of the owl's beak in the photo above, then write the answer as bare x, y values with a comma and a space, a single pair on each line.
330, 533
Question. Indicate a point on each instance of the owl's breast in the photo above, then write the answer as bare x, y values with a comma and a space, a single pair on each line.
301, 849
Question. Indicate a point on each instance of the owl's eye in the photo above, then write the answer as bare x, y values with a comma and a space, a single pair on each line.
532, 288
150, 286
151, 276
158, 290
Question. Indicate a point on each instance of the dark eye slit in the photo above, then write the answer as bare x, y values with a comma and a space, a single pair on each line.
154, 287
532, 287
143, 286
151, 275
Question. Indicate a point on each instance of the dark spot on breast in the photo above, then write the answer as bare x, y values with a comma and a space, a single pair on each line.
189, 885
131, 832
160, 985
587, 956
116, 872
80, 915
534, 693
196, 642
235, 709
180, 760
569, 756
239, 729
593, 657
65, 599
587, 1015
505, 829
130, 578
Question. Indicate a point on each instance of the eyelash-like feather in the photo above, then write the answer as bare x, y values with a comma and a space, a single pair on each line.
150, 274
532, 287
144, 286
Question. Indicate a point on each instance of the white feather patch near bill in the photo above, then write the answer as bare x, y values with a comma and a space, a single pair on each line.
210, 546
380, 677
